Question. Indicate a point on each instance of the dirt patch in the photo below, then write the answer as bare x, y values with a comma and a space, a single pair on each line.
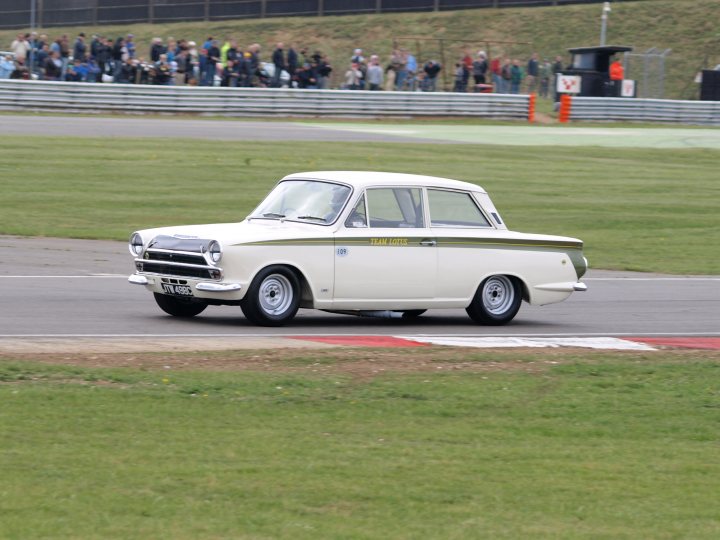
359, 362
544, 118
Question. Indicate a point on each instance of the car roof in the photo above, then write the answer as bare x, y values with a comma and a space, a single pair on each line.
362, 179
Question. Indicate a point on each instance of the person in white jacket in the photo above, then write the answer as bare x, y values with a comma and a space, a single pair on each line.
20, 48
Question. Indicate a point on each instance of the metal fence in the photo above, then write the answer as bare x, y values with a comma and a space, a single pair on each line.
128, 98
645, 110
17, 13
648, 69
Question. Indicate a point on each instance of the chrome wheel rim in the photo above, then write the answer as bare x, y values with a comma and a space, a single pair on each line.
498, 295
276, 294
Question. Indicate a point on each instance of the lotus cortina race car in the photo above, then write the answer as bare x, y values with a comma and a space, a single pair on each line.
365, 243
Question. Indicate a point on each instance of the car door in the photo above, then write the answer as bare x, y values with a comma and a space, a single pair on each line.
385, 256
465, 241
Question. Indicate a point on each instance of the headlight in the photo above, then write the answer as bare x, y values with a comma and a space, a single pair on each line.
136, 245
214, 251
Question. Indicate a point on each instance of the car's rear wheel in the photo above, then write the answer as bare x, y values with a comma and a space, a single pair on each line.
273, 297
496, 301
179, 307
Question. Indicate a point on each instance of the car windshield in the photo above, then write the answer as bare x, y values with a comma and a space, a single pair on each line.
309, 201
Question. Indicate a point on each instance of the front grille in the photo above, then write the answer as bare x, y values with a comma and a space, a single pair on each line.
185, 258
173, 270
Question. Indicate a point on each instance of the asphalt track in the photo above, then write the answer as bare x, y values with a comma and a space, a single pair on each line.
186, 128
78, 289
397, 131
53, 290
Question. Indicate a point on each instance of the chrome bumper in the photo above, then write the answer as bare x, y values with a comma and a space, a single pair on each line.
137, 279
218, 287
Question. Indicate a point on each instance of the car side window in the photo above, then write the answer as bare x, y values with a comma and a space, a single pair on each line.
395, 208
454, 209
358, 217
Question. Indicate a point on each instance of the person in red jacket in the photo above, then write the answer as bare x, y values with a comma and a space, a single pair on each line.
617, 71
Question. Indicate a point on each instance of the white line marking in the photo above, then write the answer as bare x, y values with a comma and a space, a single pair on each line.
315, 334
511, 342
585, 279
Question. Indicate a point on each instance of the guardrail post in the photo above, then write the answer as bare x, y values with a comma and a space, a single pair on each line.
531, 108
565, 107
206, 11
151, 11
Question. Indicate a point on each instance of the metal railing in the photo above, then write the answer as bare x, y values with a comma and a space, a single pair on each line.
645, 110
128, 98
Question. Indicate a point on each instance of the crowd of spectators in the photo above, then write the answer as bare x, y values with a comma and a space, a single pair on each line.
226, 63
171, 62
401, 73
507, 76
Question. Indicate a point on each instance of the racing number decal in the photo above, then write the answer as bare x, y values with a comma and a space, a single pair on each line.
341, 251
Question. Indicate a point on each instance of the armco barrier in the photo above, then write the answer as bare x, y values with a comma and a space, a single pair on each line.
128, 98
644, 110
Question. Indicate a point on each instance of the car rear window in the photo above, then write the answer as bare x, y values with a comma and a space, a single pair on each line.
454, 209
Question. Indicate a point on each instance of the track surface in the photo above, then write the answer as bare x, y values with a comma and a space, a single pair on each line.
183, 128
397, 131
75, 288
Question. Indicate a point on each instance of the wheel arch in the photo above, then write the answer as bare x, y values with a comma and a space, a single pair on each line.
307, 296
523, 284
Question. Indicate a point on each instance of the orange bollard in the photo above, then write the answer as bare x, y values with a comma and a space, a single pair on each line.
531, 108
565, 107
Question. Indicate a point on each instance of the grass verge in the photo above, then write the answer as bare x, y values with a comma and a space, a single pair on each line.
636, 209
513, 444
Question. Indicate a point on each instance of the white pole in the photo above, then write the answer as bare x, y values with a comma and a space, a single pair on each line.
31, 63
603, 19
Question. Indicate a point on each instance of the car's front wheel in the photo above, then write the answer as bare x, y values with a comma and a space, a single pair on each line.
179, 307
273, 297
496, 301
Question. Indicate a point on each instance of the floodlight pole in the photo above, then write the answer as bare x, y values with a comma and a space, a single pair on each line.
603, 22
32, 44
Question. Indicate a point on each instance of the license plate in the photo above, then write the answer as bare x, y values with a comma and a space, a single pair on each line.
177, 290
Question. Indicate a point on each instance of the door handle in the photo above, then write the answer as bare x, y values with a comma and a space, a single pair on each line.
428, 242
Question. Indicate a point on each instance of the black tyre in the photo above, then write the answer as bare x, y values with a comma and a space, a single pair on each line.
412, 313
179, 307
273, 297
496, 301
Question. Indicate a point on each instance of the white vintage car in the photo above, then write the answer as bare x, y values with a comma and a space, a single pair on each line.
364, 243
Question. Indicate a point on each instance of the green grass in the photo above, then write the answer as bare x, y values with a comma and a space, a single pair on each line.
687, 27
636, 209
596, 446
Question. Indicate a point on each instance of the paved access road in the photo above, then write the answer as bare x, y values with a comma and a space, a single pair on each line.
74, 288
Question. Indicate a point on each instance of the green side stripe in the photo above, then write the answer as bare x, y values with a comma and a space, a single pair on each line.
448, 243
413, 241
